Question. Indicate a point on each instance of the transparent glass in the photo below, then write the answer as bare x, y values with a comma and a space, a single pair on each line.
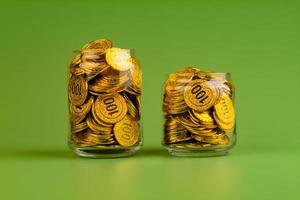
199, 113
104, 101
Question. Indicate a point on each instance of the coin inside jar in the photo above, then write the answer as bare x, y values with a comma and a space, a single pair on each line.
224, 109
78, 90
119, 59
126, 131
199, 95
110, 108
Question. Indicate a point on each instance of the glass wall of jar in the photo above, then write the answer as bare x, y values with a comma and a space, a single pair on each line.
199, 113
104, 101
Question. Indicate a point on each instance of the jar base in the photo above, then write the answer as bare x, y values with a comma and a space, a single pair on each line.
103, 152
180, 152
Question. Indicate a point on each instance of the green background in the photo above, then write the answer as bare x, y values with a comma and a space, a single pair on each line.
257, 41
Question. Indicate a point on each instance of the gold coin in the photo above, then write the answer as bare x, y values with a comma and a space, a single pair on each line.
119, 59
97, 139
135, 84
126, 131
74, 66
110, 108
98, 120
200, 95
196, 145
216, 139
224, 109
98, 128
225, 127
79, 137
75, 128
224, 140
110, 81
203, 116
96, 47
93, 69
132, 110
78, 113
78, 90
197, 137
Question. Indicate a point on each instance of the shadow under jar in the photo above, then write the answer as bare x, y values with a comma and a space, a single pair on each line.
199, 113
104, 101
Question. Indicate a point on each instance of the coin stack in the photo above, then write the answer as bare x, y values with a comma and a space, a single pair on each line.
104, 96
198, 109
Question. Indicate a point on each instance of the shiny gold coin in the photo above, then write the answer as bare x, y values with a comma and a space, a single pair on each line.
227, 127
97, 47
98, 128
200, 95
216, 139
119, 59
135, 84
127, 131
78, 90
79, 137
197, 137
131, 109
225, 110
78, 113
98, 120
196, 145
109, 81
175, 132
98, 139
74, 67
75, 128
177, 138
224, 140
203, 116
176, 82
110, 108
93, 69
76, 59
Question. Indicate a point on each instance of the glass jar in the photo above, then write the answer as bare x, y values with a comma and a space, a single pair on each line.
199, 113
104, 101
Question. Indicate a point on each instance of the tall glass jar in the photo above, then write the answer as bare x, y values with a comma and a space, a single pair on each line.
199, 113
104, 101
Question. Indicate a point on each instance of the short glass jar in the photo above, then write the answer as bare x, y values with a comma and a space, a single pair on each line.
199, 113
104, 101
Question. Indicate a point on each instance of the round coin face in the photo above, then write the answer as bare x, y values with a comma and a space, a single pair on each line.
224, 109
101, 45
110, 108
203, 116
119, 59
126, 131
78, 90
199, 95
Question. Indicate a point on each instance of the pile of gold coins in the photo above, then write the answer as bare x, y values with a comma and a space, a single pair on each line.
104, 96
198, 109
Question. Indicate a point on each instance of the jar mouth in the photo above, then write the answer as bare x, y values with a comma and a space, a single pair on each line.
130, 51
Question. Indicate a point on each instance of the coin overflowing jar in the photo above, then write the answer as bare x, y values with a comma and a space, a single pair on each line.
104, 101
199, 113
